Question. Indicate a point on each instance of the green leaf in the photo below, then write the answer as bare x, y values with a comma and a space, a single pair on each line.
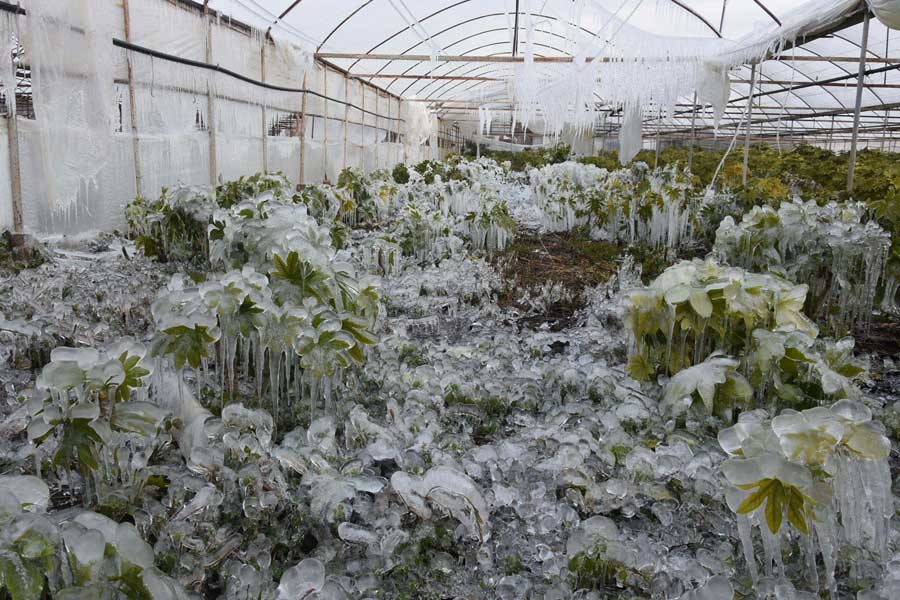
774, 509
796, 511
249, 307
134, 376
187, 345
22, 581
754, 500
701, 304
77, 445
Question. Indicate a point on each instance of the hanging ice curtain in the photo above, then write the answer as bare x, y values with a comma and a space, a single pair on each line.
69, 46
630, 140
887, 11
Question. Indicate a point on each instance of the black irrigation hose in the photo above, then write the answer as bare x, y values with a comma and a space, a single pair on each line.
7, 7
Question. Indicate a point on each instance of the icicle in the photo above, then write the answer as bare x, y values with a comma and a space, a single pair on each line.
745, 531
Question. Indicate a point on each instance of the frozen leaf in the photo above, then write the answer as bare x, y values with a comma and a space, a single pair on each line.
31, 492
301, 580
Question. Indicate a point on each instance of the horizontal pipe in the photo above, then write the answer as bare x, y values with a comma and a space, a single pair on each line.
435, 77
12, 8
568, 59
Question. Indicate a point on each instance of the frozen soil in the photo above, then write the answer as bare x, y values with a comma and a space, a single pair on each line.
488, 448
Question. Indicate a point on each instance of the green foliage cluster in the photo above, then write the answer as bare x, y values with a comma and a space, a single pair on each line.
805, 171
728, 336
832, 248
531, 158
400, 174
86, 556
15, 259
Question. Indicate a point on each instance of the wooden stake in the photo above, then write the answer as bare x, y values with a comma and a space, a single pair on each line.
265, 136
303, 133
210, 101
135, 140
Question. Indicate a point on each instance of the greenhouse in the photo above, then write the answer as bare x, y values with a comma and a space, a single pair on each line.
449, 299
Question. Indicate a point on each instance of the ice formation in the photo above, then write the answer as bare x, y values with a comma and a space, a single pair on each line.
468, 454
633, 206
825, 469
71, 70
799, 239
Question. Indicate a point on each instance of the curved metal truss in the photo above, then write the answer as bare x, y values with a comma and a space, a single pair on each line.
807, 92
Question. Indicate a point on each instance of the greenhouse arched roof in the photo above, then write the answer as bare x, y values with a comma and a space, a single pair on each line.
807, 90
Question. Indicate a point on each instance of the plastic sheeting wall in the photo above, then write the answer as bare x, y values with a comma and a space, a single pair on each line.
6, 214
176, 106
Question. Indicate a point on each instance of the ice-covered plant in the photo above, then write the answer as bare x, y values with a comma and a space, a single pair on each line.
87, 555
716, 384
800, 369
815, 469
833, 249
231, 192
694, 308
628, 206
186, 327
173, 227
79, 386
491, 227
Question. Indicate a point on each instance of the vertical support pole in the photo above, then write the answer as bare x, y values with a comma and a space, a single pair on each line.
303, 132
377, 131
15, 170
749, 122
325, 123
362, 129
693, 135
210, 101
346, 114
831, 135
388, 133
887, 113
863, 47
15, 167
398, 131
405, 145
658, 125
135, 140
265, 136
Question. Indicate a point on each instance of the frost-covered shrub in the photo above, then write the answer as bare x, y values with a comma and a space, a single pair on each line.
732, 339
823, 470
172, 227
833, 249
290, 303
94, 404
697, 307
84, 555
628, 206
